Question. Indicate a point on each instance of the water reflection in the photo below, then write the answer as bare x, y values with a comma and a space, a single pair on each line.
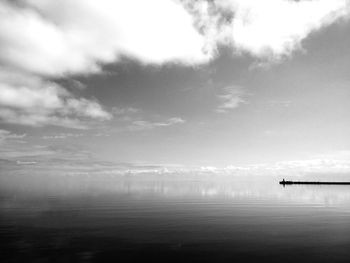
235, 188
214, 219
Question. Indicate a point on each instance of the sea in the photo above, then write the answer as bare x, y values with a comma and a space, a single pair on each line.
173, 218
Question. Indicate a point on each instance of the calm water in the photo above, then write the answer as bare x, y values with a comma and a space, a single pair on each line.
221, 219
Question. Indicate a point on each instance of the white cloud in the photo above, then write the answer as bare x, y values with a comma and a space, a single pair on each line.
147, 125
49, 37
57, 37
39, 119
30, 98
231, 98
316, 166
135, 119
41, 39
269, 30
46, 39
52, 38
36, 102
319, 168
62, 136
274, 29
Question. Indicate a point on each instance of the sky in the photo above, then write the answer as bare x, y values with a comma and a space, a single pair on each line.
230, 85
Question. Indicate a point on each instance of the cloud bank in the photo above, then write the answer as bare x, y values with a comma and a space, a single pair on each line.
33, 101
277, 28
41, 40
269, 30
58, 37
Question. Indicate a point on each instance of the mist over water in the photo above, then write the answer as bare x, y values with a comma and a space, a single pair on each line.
219, 218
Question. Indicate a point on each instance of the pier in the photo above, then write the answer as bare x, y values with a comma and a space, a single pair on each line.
283, 182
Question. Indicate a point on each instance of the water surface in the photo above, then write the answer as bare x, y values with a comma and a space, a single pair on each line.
48, 218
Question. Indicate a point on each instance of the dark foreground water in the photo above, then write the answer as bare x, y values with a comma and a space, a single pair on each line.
81, 219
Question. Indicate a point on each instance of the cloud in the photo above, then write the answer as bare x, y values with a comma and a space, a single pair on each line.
276, 28
125, 111
265, 30
319, 167
314, 166
135, 119
148, 125
39, 120
231, 98
42, 40
35, 102
54, 38
5, 135
62, 136
126, 114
